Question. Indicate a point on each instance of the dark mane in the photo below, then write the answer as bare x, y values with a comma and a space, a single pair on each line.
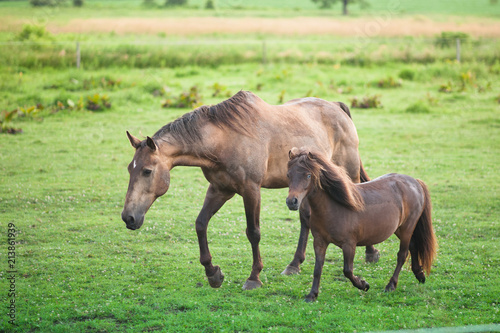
236, 113
332, 179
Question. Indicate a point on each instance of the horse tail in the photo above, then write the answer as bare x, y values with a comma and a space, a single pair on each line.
423, 236
363, 176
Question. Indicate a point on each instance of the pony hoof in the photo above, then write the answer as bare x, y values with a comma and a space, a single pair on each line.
420, 277
291, 270
372, 257
216, 280
390, 287
366, 286
252, 284
310, 298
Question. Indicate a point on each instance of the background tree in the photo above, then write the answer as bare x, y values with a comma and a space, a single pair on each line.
324, 4
173, 3
78, 3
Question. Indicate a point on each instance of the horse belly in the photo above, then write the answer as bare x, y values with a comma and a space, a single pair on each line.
379, 225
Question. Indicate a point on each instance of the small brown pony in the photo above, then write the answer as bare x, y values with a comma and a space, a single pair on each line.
350, 215
241, 145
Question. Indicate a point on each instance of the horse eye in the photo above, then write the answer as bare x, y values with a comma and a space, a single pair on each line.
146, 172
308, 176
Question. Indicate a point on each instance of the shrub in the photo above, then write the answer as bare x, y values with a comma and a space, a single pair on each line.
173, 3
98, 102
78, 3
407, 74
33, 32
43, 3
448, 38
187, 99
389, 83
210, 4
366, 102
418, 107
5, 122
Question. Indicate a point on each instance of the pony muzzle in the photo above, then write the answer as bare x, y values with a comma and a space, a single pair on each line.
292, 203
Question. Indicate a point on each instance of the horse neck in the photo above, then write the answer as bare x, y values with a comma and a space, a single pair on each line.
179, 154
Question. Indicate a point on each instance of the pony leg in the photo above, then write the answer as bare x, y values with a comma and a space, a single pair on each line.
300, 253
415, 264
214, 200
319, 251
402, 255
349, 251
251, 200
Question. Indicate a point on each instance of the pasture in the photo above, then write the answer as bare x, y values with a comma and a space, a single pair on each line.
64, 179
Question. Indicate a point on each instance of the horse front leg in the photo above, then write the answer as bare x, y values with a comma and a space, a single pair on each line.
214, 200
349, 251
319, 251
300, 253
251, 200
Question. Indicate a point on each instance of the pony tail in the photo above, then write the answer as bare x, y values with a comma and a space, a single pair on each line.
423, 236
363, 176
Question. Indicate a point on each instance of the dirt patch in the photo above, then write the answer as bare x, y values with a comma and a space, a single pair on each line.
369, 26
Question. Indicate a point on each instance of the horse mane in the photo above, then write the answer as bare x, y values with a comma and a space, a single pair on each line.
236, 113
332, 179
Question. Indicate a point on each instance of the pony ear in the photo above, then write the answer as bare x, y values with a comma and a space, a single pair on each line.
293, 153
150, 143
311, 156
135, 142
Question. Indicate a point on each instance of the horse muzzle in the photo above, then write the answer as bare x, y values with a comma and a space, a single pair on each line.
292, 203
132, 222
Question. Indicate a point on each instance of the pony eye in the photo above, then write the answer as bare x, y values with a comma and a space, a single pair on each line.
146, 172
308, 176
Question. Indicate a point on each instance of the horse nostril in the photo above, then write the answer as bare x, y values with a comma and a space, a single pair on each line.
295, 201
292, 203
128, 219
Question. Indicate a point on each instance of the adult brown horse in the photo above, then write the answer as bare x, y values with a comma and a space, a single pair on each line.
241, 145
350, 215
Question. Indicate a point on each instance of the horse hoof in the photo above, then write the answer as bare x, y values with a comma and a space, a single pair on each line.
372, 257
291, 270
420, 277
216, 280
366, 286
252, 284
309, 299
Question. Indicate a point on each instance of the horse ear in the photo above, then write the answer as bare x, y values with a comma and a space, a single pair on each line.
150, 143
135, 142
293, 153
311, 156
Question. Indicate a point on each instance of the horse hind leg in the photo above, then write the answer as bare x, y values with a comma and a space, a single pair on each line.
415, 264
402, 255
300, 254
349, 252
372, 254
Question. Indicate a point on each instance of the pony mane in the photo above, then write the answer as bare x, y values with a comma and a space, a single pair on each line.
332, 179
236, 113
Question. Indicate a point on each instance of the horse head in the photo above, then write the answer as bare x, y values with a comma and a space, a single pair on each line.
149, 179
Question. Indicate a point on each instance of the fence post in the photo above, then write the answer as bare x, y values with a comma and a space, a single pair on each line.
78, 57
458, 49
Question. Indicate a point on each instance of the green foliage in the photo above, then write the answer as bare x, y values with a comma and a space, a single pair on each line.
389, 82
98, 102
149, 3
175, 3
33, 33
210, 4
43, 3
407, 74
366, 102
449, 38
220, 90
6, 122
187, 99
78, 3
446, 87
418, 107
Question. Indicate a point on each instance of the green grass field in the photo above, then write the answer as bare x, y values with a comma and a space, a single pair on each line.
63, 179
